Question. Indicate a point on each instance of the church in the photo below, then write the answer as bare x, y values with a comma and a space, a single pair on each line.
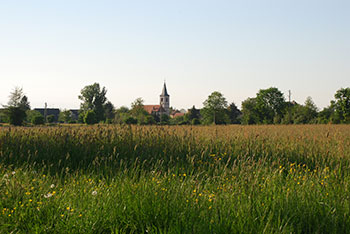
164, 104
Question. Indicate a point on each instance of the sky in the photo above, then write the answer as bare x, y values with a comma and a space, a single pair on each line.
52, 49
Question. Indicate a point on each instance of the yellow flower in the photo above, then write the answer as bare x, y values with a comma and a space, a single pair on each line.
210, 200
68, 208
184, 174
27, 193
209, 207
200, 194
194, 191
80, 215
30, 200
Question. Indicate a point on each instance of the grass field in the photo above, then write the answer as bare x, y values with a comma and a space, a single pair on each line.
216, 179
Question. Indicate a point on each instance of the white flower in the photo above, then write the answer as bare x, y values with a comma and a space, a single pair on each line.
94, 193
48, 195
52, 186
13, 173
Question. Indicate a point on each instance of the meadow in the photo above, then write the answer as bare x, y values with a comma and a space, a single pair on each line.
183, 179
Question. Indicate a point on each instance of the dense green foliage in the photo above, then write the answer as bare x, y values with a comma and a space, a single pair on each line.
94, 99
217, 179
90, 117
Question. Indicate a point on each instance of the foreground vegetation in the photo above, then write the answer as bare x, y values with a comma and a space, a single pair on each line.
226, 179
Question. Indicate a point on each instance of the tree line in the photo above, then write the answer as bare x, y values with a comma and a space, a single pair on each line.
269, 106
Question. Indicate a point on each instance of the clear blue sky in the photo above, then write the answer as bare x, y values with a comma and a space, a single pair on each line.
54, 48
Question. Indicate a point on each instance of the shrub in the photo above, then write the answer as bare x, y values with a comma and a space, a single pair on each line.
195, 121
90, 117
130, 120
50, 118
38, 120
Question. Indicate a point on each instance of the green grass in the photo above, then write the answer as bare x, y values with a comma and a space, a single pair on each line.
227, 179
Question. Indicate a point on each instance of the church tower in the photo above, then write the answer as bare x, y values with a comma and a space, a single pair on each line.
165, 100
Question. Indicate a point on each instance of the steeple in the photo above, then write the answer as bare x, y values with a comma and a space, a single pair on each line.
164, 92
165, 100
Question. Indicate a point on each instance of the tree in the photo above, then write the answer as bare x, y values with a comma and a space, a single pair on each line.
138, 111
193, 113
269, 104
311, 110
17, 106
90, 117
121, 114
250, 114
342, 104
164, 119
325, 116
15, 115
65, 116
233, 113
31, 114
94, 99
303, 114
214, 109
109, 111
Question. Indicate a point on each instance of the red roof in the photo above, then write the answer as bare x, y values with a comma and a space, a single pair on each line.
151, 108
177, 114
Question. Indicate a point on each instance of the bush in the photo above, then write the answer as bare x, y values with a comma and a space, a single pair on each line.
90, 117
130, 120
195, 121
38, 120
50, 118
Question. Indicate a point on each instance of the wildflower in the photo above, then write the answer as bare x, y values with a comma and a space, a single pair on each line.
30, 200
48, 195
94, 193
210, 199
52, 186
80, 215
194, 191
13, 173
68, 208
184, 174
209, 207
28, 193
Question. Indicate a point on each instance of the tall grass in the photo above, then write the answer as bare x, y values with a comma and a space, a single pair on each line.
225, 179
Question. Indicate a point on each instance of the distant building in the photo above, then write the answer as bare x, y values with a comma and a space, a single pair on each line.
163, 107
154, 109
176, 114
49, 111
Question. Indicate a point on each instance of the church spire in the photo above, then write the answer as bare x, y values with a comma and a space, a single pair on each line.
164, 92
165, 100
